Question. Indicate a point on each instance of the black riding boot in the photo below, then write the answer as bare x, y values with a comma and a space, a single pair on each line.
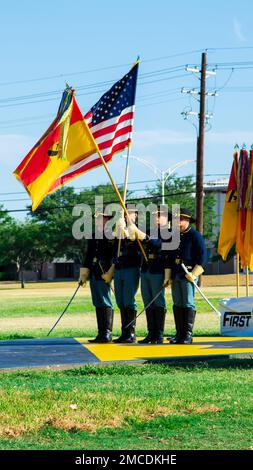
108, 324
122, 337
179, 323
189, 319
105, 322
150, 324
130, 330
159, 319
99, 324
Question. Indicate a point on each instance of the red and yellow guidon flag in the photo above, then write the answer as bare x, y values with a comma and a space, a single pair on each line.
248, 239
228, 230
66, 142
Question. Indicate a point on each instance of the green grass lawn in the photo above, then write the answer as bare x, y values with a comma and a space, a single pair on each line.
31, 313
178, 406
200, 405
43, 306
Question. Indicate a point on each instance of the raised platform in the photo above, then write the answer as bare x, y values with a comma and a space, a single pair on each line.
77, 351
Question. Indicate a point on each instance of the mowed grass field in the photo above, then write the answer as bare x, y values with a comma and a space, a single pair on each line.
198, 405
31, 312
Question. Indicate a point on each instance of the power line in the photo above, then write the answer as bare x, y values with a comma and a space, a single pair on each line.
69, 206
107, 83
30, 120
100, 69
119, 184
160, 102
14, 103
108, 202
211, 49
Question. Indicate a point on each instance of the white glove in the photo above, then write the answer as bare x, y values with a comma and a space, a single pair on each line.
167, 277
120, 229
134, 233
196, 272
107, 277
84, 276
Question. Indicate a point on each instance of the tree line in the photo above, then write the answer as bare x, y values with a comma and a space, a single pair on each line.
47, 233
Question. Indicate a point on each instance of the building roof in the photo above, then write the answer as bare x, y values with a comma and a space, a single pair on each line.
219, 185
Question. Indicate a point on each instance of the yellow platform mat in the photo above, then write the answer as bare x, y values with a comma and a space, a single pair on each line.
202, 346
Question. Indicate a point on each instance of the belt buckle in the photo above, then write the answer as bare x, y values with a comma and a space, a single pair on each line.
151, 256
177, 261
94, 260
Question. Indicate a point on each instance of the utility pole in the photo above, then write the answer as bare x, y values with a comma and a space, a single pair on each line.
203, 118
200, 149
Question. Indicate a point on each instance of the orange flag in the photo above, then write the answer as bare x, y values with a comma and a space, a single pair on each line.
248, 239
66, 142
228, 230
243, 173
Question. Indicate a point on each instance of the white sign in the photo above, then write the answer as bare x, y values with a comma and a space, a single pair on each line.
236, 316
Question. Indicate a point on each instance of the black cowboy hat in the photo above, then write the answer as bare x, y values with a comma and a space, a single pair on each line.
186, 213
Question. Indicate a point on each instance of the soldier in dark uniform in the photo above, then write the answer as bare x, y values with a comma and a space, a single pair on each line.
153, 280
98, 260
126, 271
192, 253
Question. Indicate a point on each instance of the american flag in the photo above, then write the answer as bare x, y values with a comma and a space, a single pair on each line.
111, 123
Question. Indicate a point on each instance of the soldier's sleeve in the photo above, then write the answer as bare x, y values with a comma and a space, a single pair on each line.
89, 255
113, 247
115, 244
200, 249
169, 258
156, 243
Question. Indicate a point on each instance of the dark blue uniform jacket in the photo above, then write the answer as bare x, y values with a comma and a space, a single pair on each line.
157, 256
191, 251
99, 256
129, 256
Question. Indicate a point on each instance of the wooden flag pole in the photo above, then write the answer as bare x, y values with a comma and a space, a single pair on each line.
119, 195
247, 281
237, 274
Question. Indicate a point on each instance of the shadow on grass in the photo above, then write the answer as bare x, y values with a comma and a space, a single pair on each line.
224, 362
15, 336
161, 367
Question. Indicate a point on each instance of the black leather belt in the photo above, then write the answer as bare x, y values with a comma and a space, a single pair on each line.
180, 261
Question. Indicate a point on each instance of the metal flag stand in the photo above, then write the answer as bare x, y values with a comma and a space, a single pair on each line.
237, 274
247, 281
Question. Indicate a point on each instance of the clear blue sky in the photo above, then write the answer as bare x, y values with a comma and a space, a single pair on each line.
68, 40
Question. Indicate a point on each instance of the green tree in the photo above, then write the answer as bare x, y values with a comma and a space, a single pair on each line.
56, 219
4, 216
182, 191
22, 244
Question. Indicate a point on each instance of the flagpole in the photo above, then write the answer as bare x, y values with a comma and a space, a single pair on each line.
119, 195
126, 175
237, 275
125, 190
247, 281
